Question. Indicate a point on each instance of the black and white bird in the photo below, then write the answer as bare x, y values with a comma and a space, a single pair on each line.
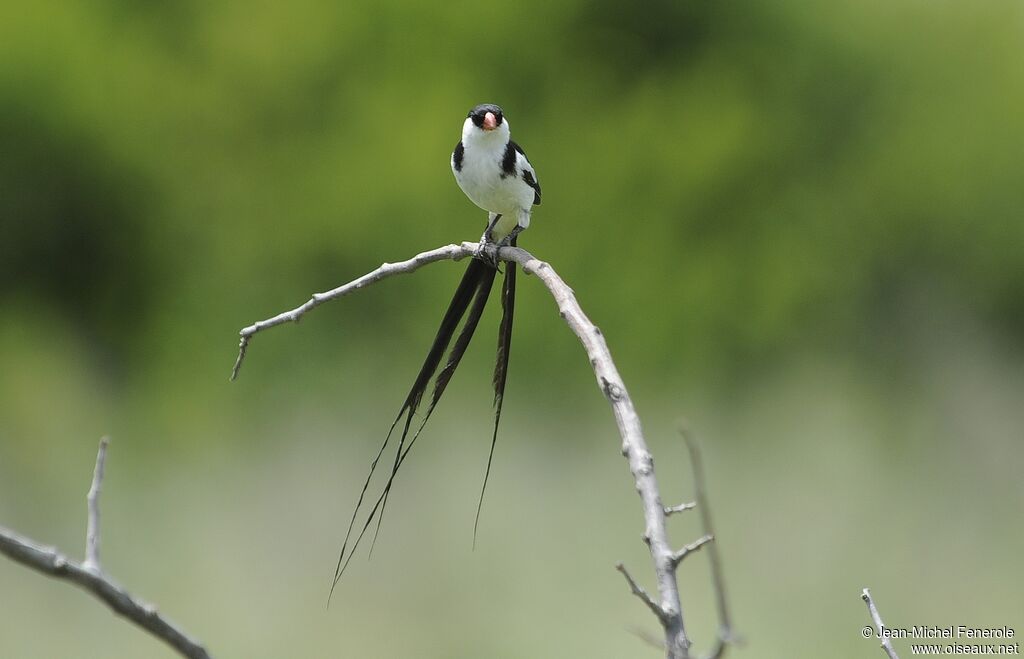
495, 174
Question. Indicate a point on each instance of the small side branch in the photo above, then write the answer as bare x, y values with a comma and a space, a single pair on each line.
638, 590
879, 625
681, 508
49, 561
92, 533
678, 556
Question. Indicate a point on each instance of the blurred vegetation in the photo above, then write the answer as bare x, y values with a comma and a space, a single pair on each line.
751, 177
755, 201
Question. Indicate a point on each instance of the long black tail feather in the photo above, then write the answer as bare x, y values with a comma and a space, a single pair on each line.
475, 286
508, 303
483, 291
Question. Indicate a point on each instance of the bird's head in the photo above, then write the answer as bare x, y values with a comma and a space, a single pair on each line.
485, 120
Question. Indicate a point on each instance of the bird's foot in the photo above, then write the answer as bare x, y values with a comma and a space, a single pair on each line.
510, 239
487, 251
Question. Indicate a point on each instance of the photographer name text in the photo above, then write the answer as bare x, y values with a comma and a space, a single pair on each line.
953, 631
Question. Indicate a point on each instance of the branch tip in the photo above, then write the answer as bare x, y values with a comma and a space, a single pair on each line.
243, 344
876, 618
92, 499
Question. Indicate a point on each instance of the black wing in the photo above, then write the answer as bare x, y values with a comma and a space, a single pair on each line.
457, 155
529, 176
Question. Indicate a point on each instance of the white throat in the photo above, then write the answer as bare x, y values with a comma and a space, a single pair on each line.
478, 138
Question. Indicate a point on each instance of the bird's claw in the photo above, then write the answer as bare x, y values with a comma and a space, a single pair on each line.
487, 251
510, 239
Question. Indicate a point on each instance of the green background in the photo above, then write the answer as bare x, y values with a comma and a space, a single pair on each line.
799, 225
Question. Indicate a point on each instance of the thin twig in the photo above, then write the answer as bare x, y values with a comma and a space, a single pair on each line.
681, 508
678, 556
446, 253
49, 561
877, 619
726, 635
634, 447
92, 533
639, 591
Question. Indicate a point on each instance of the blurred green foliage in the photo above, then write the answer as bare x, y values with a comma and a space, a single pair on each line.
749, 177
761, 204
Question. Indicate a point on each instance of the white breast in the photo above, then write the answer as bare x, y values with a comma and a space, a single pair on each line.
481, 176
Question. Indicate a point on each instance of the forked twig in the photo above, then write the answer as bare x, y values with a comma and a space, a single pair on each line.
89, 576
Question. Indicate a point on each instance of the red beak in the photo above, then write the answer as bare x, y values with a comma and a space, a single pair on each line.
490, 121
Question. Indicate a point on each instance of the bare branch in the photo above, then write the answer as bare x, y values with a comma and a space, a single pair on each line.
726, 635
678, 556
634, 447
49, 561
681, 508
641, 593
879, 625
92, 533
446, 253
